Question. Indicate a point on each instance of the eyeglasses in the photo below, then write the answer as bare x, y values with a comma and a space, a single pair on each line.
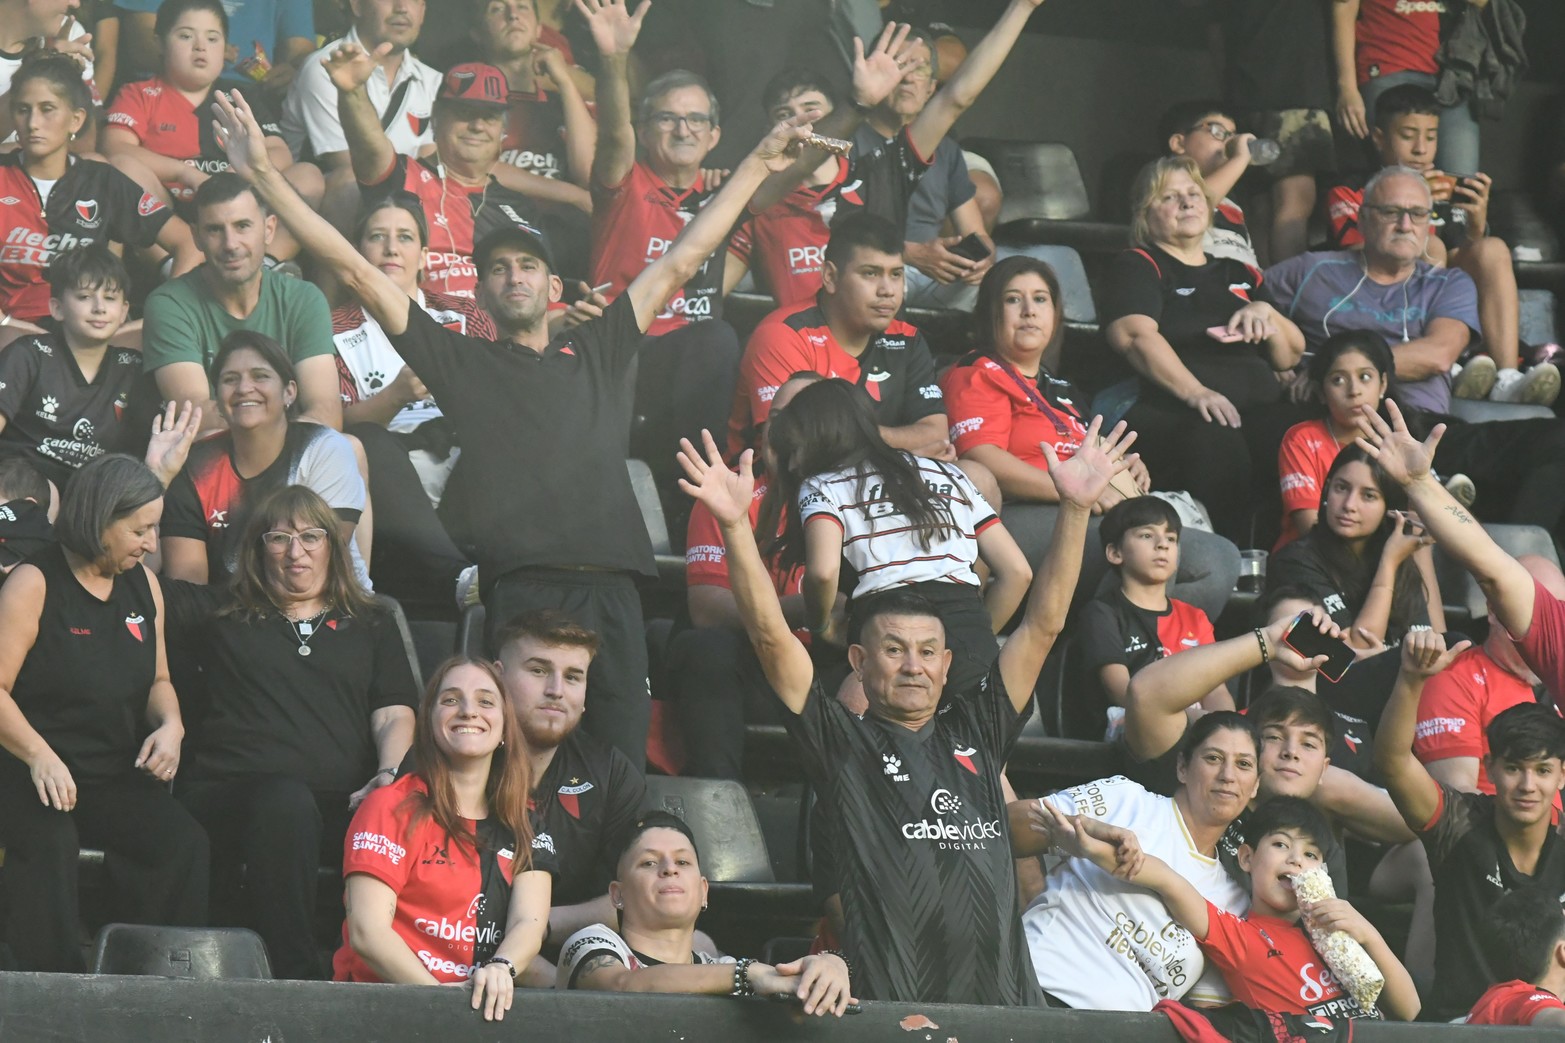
1394, 214
696, 121
1219, 132
278, 540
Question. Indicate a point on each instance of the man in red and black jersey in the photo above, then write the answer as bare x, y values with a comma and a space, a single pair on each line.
586, 794
851, 332
927, 882
459, 185
544, 422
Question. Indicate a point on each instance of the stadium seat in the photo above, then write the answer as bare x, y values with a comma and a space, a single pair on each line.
1041, 180
671, 566
1460, 593
202, 953
391, 605
1481, 411
726, 827
470, 632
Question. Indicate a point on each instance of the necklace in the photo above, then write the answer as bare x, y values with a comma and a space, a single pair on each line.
304, 630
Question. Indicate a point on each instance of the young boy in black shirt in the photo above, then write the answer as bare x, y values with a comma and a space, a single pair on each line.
1139, 623
63, 394
1480, 847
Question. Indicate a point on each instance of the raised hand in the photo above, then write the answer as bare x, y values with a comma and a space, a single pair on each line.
876, 74
1082, 479
779, 148
614, 28
1284, 654
726, 494
79, 48
1407, 536
350, 66
1402, 457
1424, 653
172, 437
240, 135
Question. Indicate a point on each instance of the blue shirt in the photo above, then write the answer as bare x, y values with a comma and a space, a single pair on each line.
267, 22
1327, 293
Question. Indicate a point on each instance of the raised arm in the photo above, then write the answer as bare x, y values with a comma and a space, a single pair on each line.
959, 92
784, 659
581, 130
1163, 690
1415, 791
369, 150
1506, 584
614, 29
657, 282
1080, 481
1366, 810
242, 139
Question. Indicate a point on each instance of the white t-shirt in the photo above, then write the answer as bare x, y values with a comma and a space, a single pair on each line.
1101, 943
876, 539
310, 110
600, 939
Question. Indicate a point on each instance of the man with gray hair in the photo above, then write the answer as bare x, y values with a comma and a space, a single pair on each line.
1427, 314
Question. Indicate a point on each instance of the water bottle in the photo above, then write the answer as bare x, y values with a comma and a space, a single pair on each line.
1264, 151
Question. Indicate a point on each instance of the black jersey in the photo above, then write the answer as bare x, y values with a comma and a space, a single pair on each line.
85, 681
54, 415
587, 799
1472, 868
307, 717
927, 882
1300, 564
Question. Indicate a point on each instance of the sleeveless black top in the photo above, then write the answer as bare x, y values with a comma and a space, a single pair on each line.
84, 684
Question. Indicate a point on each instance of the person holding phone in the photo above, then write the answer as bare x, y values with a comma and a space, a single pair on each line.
1207, 404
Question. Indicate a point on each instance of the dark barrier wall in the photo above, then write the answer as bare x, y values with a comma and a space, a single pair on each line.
53, 1008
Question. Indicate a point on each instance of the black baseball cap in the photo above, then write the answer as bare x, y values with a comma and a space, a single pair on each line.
517, 235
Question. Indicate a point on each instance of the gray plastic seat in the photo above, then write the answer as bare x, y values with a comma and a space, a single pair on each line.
200, 953
726, 827
1041, 180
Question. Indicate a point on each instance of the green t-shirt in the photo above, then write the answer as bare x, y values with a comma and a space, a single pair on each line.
185, 323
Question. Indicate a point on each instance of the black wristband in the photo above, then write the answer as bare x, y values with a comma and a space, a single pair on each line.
504, 962
742, 986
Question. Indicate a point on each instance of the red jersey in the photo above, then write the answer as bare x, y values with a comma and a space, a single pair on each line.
1306, 454
535, 134
1270, 964
92, 203
1342, 216
1543, 646
706, 552
1457, 705
895, 369
459, 215
1397, 36
438, 883
633, 224
786, 243
164, 121
1512, 1003
990, 403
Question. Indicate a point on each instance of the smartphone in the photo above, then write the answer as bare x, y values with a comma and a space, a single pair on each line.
973, 248
1303, 638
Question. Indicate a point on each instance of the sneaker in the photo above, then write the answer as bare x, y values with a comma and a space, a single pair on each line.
1474, 380
1541, 385
467, 589
1462, 489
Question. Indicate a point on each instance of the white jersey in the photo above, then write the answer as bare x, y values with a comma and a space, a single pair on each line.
876, 538
600, 939
1101, 943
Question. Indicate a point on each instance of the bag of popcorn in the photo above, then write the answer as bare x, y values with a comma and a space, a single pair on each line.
1348, 961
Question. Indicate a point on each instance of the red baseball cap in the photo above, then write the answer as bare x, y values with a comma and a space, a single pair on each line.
475, 83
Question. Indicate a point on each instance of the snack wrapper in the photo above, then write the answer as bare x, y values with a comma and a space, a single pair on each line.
1346, 958
836, 146
256, 66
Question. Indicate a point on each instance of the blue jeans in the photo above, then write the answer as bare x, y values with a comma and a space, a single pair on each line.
1459, 138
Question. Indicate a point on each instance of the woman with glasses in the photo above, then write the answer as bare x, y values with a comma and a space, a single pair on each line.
311, 710
263, 449
1207, 404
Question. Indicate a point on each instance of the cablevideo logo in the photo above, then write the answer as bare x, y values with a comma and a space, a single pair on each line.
949, 832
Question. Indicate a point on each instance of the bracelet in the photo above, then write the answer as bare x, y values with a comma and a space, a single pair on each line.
841, 956
742, 986
861, 108
1260, 639
502, 961
387, 771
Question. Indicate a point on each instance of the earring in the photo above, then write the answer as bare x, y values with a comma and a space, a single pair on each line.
73, 135
618, 905
703, 907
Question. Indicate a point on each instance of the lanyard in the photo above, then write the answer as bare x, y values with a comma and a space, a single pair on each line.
1031, 391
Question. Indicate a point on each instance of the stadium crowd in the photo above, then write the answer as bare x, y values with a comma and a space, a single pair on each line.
301, 336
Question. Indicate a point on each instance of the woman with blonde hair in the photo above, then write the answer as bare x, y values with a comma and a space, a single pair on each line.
1207, 405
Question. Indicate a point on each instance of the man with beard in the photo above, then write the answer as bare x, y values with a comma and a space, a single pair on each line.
1480, 847
543, 423
585, 795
